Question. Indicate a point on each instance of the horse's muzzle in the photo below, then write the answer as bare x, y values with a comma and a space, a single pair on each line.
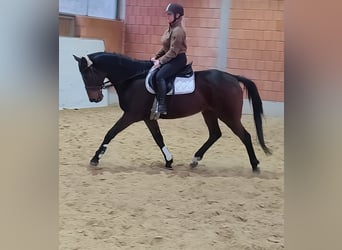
96, 100
95, 96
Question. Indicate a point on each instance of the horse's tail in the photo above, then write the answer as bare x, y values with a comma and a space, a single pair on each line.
253, 95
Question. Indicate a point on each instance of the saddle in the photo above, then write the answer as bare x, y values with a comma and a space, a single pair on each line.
181, 83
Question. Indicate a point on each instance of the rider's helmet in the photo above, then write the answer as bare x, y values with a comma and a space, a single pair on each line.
175, 8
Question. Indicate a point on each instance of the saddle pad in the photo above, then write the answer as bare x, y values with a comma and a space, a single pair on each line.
182, 85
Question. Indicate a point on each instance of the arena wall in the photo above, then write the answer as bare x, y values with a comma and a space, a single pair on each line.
245, 38
72, 93
254, 48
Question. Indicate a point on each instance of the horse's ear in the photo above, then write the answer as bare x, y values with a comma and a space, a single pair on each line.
82, 62
77, 58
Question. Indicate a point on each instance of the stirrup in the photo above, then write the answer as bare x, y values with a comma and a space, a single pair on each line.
164, 112
154, 115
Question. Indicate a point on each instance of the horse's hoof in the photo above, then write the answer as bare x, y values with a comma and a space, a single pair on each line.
168, 164
94, 163
256, 170
194, 164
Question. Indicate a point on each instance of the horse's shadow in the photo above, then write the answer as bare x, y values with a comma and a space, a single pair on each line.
185, 171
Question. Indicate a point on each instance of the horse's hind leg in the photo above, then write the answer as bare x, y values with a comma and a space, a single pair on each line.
245, 137
158, 138
210, 119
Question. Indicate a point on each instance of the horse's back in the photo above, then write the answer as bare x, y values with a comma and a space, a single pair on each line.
221, 89
217, 77
217, 80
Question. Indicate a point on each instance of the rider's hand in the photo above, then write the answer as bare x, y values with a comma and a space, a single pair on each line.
156, 64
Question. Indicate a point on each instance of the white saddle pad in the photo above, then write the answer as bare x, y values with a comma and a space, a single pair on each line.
182, 85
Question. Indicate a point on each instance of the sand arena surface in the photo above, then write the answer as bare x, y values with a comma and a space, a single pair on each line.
134, 203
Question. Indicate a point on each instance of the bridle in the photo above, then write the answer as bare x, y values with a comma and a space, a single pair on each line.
108, 83
104, 85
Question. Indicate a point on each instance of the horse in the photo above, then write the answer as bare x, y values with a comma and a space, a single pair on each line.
217, 95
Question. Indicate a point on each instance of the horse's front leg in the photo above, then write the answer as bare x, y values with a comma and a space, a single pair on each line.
120, 125
158, 138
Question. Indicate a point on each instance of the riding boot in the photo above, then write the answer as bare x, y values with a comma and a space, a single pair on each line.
161, 97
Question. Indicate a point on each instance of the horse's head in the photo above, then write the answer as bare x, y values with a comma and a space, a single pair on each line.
93, 78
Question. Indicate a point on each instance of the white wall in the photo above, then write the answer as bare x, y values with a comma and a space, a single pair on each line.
94, 8
72, 93
270, 108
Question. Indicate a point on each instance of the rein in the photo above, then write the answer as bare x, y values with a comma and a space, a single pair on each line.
108, 83
134, 76
105, 85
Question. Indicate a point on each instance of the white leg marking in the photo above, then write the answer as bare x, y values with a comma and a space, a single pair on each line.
194, 162
167, 153
196, 159
101, 154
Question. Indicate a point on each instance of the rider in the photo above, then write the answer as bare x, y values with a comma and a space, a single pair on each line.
171, 58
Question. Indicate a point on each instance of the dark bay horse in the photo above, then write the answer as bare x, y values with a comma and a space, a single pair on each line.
218, 95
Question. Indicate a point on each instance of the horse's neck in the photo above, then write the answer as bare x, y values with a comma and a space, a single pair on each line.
134, 67
127, 67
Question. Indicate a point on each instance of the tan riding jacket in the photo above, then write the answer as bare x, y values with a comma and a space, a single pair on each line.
174, 42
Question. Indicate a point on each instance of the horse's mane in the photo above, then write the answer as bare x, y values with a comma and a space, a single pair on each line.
111, 61
117, 56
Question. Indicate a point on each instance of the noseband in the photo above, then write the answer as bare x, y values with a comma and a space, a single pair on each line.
104, 85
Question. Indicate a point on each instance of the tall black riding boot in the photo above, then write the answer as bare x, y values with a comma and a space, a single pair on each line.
161, 97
